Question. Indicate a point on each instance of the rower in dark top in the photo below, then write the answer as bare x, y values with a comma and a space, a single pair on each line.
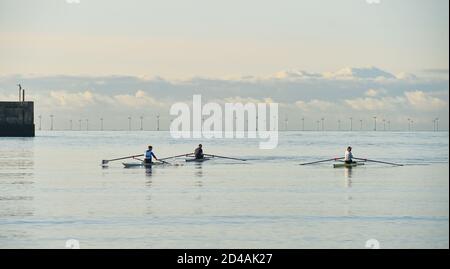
199, 152
149, 155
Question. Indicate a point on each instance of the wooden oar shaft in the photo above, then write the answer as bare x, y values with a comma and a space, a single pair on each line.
322, 161
123, 158
224, 157
181, 155
375, 161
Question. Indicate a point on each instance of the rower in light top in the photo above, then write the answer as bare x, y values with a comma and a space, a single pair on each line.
348, 156
199, 153
149, 155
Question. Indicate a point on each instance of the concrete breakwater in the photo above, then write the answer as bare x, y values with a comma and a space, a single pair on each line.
17, 119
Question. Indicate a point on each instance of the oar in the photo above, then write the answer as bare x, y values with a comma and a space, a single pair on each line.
182, 155
322, 161
104, 162
375, 161
160, 160
223, 157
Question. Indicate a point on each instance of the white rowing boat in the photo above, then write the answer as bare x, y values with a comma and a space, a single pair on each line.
347, 165
142, 164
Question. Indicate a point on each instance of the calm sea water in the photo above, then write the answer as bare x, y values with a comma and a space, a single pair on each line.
52, 189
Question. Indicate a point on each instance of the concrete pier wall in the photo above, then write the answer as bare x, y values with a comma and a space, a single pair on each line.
17, 119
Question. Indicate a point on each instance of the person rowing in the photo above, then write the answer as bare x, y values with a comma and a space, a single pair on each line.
199, 152
348, 157
149, 155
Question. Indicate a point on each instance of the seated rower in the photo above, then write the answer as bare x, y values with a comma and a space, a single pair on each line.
199, 152
348, 156
149, 155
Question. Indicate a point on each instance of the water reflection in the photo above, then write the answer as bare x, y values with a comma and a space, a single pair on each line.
148, 171
198, 170
348, 173
149, 181
149, 209
16, 180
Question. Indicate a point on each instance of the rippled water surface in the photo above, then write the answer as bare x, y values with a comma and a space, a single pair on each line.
52, 188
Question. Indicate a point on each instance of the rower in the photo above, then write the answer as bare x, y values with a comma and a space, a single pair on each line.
199, 152
149, 155
348, 156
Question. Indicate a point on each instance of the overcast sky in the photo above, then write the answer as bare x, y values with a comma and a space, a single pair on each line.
318, 58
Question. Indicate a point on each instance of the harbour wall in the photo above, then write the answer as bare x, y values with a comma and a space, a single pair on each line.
17, 119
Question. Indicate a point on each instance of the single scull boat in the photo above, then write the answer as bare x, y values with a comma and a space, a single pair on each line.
347, 165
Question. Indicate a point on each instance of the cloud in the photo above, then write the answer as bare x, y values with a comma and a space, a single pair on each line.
315, 104
347, 73
360, 73
370, 2
375, 92
238, 99
297, 93
374, 104
295, 74
406, 76
416, 100
139, 100
72, 100
424, 101
77, 100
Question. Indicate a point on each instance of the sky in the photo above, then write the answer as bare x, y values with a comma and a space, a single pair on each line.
317, 58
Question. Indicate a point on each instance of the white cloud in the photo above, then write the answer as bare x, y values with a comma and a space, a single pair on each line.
375, 92
238, 99
370, 2
359, 73
117, 96
374, 104
76, 100
314, 105
71, 100
406, 76
294, 75
424, 101
139, 99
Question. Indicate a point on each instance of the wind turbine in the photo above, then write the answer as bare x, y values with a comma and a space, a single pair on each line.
375, 123
51, 122
157, 122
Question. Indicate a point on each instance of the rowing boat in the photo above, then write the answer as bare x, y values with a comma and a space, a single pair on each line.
141, 164
198, 160
347, 165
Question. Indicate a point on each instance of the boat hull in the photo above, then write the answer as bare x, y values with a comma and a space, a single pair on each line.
347, 165
198, 160
146, 165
